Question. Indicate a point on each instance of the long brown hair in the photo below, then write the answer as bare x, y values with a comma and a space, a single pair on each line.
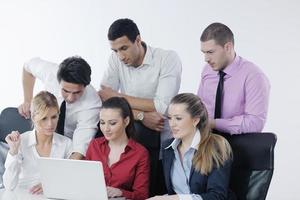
213, 149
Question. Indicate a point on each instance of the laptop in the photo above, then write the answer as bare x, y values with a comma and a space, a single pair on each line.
72, 179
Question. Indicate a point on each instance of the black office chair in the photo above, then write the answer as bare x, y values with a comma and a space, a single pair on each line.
11, 120
253, 164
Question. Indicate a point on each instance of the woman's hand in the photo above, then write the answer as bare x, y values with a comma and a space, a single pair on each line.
13, 140
37, 189
113, 192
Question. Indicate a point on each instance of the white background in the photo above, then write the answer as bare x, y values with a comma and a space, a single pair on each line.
266, 32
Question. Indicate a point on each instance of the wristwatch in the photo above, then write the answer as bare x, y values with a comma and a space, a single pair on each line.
140, 116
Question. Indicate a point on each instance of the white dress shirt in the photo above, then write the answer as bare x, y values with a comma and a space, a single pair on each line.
21, 169
158, 78
82, 116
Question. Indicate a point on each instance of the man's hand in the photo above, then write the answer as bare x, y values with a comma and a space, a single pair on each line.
113, 192
76, 156
13, 140
154, 121
106, 93
24, 110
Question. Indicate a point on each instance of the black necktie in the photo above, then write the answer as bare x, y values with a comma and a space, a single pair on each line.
61, 120
219, 95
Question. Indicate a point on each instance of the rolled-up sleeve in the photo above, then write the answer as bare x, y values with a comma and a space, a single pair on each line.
44, 71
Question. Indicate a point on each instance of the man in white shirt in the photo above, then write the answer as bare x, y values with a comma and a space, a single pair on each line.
148, 78
70, 83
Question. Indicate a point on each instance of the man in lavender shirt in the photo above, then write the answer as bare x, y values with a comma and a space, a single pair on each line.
246, 89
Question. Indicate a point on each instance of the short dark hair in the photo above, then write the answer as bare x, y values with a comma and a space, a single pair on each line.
123, 27
121, 104
74, 70
218, 32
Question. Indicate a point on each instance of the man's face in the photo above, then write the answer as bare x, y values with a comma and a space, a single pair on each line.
71, 92
128, 52
215, 55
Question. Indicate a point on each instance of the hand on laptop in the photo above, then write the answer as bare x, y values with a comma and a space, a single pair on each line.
113, 192
37, 189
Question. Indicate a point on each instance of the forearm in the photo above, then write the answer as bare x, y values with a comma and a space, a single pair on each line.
81, 139
143, 104
12, 170
240, 124
28, 81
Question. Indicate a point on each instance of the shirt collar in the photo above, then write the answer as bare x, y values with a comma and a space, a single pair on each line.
130, 144
232, 67
148, 56
194, 144
32, 138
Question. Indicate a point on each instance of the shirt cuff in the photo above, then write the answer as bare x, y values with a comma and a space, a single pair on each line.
80, 150
160, 106
232, 126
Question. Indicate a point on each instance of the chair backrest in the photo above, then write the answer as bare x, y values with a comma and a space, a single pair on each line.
253, 164
11, 120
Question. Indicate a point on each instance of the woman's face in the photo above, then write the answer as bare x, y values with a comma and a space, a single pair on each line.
181, 122
112, 123
47, 125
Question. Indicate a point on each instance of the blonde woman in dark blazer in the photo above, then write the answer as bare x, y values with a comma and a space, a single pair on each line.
196, 162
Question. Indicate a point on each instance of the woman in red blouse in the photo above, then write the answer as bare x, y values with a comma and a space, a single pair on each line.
125, 162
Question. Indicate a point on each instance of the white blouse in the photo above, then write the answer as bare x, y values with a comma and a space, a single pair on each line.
22, 170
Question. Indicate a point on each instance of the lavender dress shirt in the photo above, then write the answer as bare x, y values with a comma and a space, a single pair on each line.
245, 96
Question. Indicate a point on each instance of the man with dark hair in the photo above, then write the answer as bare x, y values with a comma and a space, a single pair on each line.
148, 78
80, 103
74, 70
234, 90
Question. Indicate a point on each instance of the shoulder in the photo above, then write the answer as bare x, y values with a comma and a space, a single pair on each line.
164, 54
91, 92
114, 61
98, 141
140, 149
37, 62
249, 67
253, 74
90, 98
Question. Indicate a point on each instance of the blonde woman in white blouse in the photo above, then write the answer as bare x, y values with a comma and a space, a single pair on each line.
21, 163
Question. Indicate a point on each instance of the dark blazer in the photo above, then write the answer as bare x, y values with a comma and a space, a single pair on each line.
214, 186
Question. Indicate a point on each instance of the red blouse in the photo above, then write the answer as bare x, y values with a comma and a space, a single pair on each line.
130, 174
